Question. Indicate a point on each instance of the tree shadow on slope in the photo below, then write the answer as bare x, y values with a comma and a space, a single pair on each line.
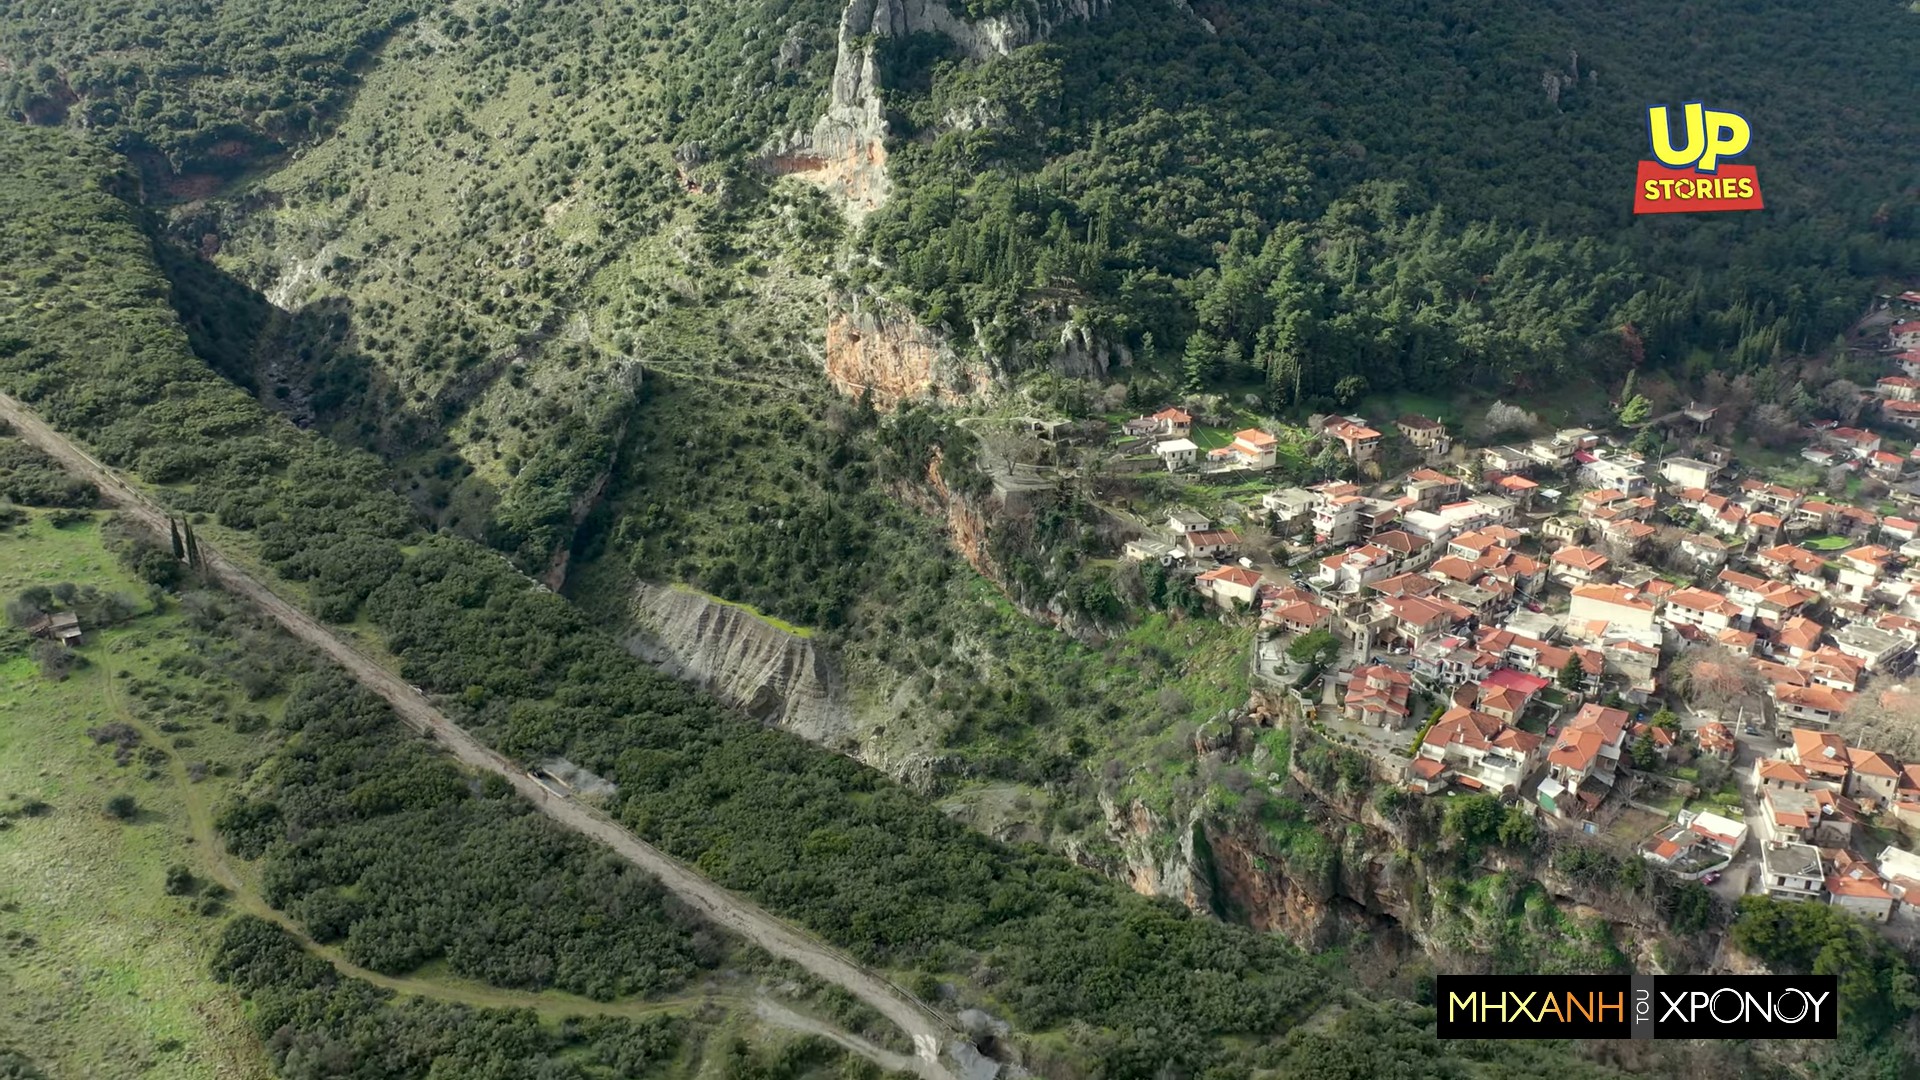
308, 364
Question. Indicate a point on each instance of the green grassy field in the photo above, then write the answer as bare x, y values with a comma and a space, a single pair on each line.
102, 974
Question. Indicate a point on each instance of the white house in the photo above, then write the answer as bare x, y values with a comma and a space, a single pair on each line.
1688, 473
1177, 453
1871, 645
1228, 585
1291, 507
1621, 471
1792, 872
1180, 522
1251, 448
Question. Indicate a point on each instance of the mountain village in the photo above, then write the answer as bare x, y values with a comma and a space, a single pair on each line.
1656, 650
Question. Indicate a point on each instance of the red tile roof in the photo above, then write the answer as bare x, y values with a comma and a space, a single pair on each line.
1800, 633
1579, 558
1703, 601
1518, 681
1822, 698
1233, 575
1785, 772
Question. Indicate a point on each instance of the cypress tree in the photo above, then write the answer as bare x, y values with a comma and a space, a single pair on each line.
193, 548
173, 529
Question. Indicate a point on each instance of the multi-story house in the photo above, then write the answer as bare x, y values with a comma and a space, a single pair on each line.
1785, 562
1792, 871
1572, 566
1688, 473
1477, 751
1585, 760
1707, 552
1336, 514
1430, 488
1290, 509
1860, 572
1857, 889
1622, 470
1229, 585
1810, 704
1709, 613
1424, 432
1872, 646
1898, 388
1361, 442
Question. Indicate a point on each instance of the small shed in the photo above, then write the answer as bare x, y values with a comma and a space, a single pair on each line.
60, 626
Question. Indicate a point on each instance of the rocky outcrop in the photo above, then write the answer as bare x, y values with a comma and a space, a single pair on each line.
845, 153
772, 674
877, 348
1159, 856
1083, 352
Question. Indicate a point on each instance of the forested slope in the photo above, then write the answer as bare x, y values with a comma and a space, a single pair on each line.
1413, 192
1133, 987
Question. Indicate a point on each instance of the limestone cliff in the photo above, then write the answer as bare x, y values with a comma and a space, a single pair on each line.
772, 674
876, 347
1158, 855
845, 152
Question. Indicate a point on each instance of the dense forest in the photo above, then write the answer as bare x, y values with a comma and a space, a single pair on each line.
1409, 193
204, 89
365, 830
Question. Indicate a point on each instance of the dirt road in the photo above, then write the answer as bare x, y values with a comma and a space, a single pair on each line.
926, 1027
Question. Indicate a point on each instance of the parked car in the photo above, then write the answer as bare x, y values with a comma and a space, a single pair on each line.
1535, 608
1710, 877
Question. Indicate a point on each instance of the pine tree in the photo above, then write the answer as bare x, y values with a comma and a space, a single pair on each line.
173, 530
1572, 674
1202, 357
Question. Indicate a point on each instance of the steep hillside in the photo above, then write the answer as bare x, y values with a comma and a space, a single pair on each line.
1411, 192
1097, 982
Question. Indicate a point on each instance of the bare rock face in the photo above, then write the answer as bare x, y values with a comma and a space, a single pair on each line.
1085, 353
845, 153
876, 348
1155, 867
775, 676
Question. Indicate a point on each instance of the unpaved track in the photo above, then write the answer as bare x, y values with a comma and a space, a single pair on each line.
926, 1027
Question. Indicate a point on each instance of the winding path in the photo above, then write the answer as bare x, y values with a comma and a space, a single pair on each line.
928, 1028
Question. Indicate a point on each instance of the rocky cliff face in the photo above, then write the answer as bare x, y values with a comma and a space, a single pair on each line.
845, 153
873, 346
1158, 856
776, 676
